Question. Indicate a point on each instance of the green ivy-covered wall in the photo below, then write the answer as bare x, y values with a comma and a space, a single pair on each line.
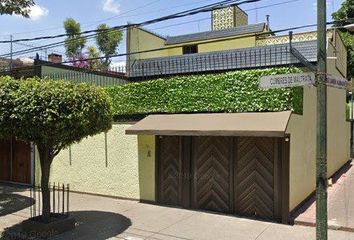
235, 91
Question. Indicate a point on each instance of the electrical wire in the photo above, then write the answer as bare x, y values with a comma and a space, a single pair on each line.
207, 8
34, 46
173, 47
219, 40
119, 15
61, 43
57, 44
246, 10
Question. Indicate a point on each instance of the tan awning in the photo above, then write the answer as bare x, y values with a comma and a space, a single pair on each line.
270, 124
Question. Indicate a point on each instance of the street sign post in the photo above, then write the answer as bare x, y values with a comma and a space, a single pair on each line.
287, 80
321, 135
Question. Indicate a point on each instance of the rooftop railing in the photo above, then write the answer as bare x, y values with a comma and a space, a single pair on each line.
256, 57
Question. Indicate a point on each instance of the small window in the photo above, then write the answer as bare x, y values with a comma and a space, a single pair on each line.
190, 49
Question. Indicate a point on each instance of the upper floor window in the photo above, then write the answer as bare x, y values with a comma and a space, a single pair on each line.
189, 49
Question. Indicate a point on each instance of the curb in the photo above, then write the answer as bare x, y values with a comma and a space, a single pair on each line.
330, 226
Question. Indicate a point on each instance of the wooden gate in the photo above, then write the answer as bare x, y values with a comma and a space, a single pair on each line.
21, 165
170, 171
255, 177
15, 161
5, 160
242, 175
211, 165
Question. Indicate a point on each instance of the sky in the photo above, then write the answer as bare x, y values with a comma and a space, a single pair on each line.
47, 18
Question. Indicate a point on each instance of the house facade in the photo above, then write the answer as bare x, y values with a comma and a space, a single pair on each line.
253, 163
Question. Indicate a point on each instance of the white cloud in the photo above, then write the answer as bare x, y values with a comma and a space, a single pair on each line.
111, 6
37, 12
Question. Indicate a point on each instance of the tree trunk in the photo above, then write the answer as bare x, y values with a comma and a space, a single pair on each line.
46, 161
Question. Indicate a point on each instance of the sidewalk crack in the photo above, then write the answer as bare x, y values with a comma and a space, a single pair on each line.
262, 232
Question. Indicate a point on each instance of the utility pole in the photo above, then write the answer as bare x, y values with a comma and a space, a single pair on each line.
11, 49
321, 160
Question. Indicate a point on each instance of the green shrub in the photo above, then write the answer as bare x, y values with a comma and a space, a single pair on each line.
235, 91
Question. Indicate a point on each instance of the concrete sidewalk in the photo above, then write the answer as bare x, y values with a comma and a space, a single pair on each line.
106, 218
340, 203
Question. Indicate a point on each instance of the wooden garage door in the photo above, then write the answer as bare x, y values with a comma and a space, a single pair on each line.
169, 170
242, 175
211, 166
255, 177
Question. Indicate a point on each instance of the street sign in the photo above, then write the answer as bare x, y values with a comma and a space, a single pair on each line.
336, 82
287, 80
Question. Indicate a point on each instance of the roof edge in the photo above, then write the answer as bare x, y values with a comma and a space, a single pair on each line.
205, 32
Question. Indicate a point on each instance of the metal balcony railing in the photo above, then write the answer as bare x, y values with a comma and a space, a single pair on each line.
256, 57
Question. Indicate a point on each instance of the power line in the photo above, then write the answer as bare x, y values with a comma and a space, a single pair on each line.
159, 10
246, 10
38, 47
119, 15
122, 14
178, 15
58, 44
207, 8
271, 5
85, 32
183, 23
51, 45
173, 47
61, 43
91, 36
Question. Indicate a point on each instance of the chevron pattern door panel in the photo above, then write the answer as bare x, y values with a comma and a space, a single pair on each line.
211, 164
241, 175
254, 177
170, 170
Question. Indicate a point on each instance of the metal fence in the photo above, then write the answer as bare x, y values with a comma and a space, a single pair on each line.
199, 63
20, 72
97, 78
87, 77
59, 196
255, 57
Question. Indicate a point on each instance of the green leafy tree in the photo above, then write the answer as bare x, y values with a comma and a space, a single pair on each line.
345, 16
53, 115
18, 7
8, 87
345, 13
107, 42
75, 42
92, 53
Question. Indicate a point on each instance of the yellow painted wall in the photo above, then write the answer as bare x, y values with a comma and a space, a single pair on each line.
141, 40
129, 173
229, 44
146, 151
302, 130
338, 133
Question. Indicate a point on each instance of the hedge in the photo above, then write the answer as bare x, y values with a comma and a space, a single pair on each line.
235, 91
